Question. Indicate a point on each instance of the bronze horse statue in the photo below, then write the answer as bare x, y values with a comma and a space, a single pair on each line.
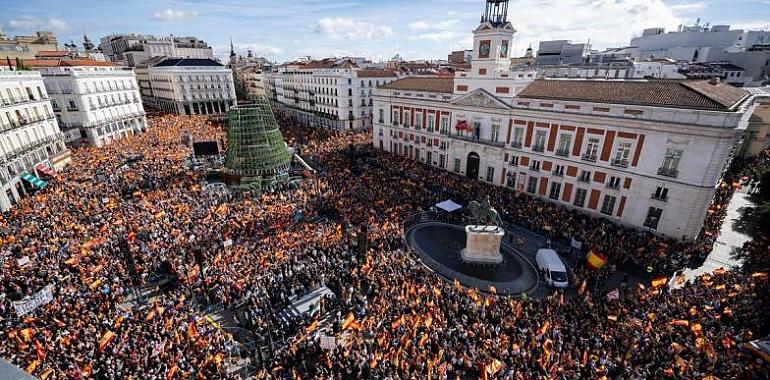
483, 214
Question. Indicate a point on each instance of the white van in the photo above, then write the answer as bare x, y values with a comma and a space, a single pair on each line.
552, 268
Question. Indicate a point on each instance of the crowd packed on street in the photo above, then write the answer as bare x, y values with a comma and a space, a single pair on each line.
392, 317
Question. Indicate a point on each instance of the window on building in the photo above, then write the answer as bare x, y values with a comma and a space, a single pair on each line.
653, 218
608, 205
518, 137
559, 170
511, 180
514, 160
431, 122
585, 176
670, 164
661, 193
622, 154
565, 141
592, 147
490, 173
532, 185
580, 197
495, 132
442, 161
407, 119
539, 145
444, 129
614, 183
457, 165
555, 191
382, 115
535, 165
418, 120
395, 117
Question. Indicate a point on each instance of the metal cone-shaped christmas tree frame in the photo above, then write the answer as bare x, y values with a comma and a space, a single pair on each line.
256, 152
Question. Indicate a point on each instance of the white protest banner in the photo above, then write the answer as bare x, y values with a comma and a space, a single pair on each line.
28, 305
23, 261
576, 244
328, 342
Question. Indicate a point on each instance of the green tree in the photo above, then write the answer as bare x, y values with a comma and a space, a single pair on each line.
761, 219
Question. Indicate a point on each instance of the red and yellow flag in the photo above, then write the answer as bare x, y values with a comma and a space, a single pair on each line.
659, 281
105, 339
595, 260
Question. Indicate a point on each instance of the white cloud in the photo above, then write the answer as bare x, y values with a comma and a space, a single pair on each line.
606, 22
32, 24
343, 27
442, 36
258, 49
418, 25
171, 15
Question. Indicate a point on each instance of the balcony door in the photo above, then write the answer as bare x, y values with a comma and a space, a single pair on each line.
472, 166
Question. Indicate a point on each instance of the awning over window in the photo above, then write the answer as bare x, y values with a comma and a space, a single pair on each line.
34, 181
45, 170
462, 125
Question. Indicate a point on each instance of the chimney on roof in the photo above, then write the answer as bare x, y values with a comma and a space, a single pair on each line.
714, 81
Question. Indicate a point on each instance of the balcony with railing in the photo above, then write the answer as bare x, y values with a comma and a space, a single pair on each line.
588, 157
517, 144
621, 163
584, 179
668, 172
562, 152
478, 140
558, 173
659, 197
538, 148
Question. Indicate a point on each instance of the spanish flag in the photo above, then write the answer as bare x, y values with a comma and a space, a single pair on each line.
27, 333
105, 340
544, 328
348, 320
595, 260
171, 372
659, 281
31, 367
192, 330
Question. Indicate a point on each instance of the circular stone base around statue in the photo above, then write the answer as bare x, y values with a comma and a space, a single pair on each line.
492, 260
439, 246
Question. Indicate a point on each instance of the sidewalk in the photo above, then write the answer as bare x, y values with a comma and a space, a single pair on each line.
730, 238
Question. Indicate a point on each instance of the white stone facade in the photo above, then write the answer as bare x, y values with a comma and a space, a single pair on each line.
94, 102
334, 94
190, 87
649, 165
29, 134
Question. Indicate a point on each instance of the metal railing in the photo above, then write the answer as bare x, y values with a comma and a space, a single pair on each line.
588, 157
562, 152
478, 140
667, 172
622, 163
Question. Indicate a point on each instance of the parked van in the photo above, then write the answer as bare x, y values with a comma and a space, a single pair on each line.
552, 268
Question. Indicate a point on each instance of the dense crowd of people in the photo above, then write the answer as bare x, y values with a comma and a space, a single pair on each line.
391, 317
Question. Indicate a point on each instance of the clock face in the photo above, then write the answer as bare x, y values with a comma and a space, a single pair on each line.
484, 49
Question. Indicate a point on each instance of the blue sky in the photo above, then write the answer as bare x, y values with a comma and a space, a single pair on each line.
286, 29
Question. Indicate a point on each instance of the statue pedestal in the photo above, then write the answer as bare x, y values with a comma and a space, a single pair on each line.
482, 244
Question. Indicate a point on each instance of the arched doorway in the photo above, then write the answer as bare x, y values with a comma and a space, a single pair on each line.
472, 167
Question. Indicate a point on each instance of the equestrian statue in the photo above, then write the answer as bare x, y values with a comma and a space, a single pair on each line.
483, 214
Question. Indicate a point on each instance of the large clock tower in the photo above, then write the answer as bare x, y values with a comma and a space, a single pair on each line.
492, 39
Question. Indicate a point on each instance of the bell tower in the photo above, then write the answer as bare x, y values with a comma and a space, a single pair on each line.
492, 39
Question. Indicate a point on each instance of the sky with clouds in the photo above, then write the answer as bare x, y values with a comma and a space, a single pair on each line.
284, 30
